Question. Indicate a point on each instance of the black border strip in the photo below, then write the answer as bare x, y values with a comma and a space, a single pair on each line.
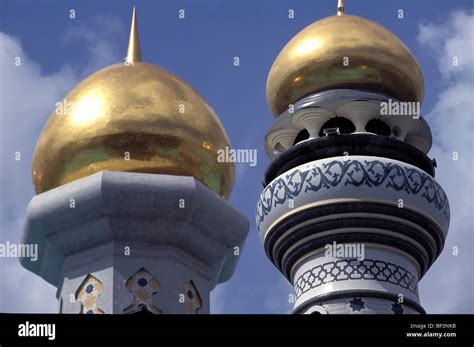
354, 144
350, 207
340, 222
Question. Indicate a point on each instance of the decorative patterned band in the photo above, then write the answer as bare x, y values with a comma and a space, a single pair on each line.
352, 172
353, 269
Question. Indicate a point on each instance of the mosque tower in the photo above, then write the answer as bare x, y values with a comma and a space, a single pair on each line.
131, 212
350, 213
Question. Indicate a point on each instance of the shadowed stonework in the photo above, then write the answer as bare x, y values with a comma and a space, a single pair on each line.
143, 287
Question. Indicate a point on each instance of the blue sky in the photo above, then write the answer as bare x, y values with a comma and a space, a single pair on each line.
58, 52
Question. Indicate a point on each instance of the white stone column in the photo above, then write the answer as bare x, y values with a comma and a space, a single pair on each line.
117, 242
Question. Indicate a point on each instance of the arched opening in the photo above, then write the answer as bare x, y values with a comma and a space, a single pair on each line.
345, 125
397, 131
378, 127
302, 135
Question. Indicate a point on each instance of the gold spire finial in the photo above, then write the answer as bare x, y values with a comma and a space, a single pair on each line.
134, 53
340, 7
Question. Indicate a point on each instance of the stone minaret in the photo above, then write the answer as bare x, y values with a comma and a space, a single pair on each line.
131, 212
350, 212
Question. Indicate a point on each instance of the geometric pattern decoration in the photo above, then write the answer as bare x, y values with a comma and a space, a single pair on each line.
352, 172
192, 299
397, 308
357, 304
143, 287
87, 294
353, 269
361, 305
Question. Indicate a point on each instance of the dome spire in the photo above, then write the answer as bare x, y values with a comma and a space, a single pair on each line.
134, 53
340, 7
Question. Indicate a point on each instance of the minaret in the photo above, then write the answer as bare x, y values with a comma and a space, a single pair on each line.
131, 212
350, 212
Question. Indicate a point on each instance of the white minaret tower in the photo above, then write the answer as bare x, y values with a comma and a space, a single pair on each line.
350, 214
131, 212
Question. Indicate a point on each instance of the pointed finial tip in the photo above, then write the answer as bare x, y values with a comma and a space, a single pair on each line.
134, 52
340, 7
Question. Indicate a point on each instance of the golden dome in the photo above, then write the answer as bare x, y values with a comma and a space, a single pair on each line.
313, 60
132, 117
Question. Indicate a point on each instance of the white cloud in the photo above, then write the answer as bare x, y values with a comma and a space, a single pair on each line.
448, 40
102, 49
449, 285
27, 98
